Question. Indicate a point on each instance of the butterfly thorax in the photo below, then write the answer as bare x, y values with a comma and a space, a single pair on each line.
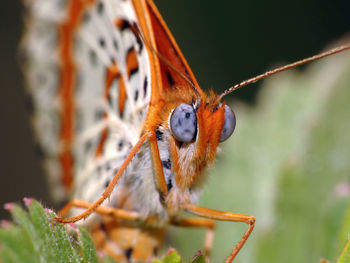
182, 164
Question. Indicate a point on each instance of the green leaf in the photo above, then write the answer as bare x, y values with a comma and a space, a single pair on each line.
199, 259
172, 257
53, 239
88, 247
13, 238
36, 237
345, 255
107, 259
344, 230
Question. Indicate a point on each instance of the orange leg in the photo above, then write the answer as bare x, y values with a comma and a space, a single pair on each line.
225, 216
157, 165
199, 222
93, 206
102, 210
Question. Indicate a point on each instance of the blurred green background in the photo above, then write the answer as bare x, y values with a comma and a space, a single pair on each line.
261, 170
288, 164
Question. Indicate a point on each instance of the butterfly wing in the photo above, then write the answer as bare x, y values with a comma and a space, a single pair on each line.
161, 40
89, 78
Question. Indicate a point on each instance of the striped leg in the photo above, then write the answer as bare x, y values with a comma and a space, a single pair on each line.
94, 206
225, 216
102, 210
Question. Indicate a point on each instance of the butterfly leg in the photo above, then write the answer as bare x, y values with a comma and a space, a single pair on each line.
93, 206
225, 216
102, 210
199, 222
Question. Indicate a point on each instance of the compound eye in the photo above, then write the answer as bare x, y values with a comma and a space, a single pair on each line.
229, 124
183, 123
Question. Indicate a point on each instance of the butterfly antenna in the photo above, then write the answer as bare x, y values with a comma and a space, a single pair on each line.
283, 68
138, 33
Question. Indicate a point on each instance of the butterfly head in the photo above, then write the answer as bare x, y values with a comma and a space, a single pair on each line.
192, 127
184, 123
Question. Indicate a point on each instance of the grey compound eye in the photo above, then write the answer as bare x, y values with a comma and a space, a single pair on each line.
229, 124
183, 123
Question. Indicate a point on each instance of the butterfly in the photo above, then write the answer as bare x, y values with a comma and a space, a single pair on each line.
122, 120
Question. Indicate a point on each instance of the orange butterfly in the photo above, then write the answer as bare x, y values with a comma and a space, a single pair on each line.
121, 117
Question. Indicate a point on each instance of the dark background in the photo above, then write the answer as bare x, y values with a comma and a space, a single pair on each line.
224, 42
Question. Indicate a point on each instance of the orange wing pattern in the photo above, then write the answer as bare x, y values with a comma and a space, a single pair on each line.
161, 40
89, 77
